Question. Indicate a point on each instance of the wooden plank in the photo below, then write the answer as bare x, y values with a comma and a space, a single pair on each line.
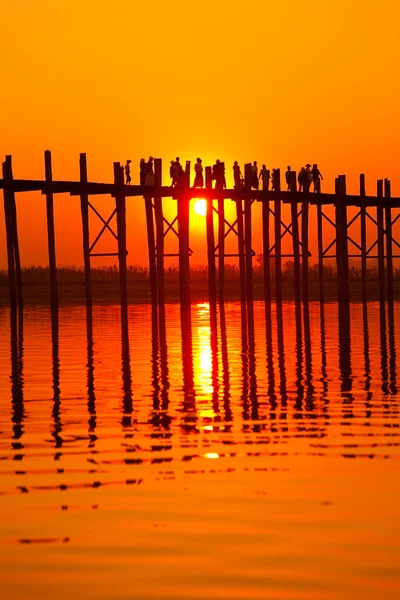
51, 243
84, 201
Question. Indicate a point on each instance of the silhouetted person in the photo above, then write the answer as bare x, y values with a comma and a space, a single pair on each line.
237, 175
127, 169
300, 179
316, 177
178, 170
149, 172
172, 173
307, 178
218, 174
288, 178
142, 171
275, 180
198, 179
265, 176
254, 175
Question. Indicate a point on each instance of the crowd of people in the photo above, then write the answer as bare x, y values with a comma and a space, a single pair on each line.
270, 179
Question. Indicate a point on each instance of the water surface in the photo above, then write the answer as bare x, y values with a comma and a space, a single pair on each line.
253, 467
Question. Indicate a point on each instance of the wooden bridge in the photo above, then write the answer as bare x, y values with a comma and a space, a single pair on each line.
378, 209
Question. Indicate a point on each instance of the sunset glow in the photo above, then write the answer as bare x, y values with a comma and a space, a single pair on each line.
200, 207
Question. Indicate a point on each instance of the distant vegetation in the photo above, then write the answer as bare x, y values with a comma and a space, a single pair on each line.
105, 280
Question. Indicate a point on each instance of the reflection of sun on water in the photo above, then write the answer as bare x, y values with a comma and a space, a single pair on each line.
200, 207
203, 364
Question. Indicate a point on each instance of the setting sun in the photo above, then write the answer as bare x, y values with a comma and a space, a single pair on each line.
200, 207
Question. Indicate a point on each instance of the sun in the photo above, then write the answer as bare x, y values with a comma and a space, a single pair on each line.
200, 207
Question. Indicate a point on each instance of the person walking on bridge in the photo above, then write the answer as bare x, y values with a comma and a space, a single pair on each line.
127, 169
265, 176
237, 176
288, 178
198, 179
316, 178
142, 167
254, 175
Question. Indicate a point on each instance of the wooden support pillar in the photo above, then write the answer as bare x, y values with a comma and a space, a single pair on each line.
320, 253
221, 248
363, 239
9, 198
248, 236
120, 203
212, 290
151, 247
159, 218
241, 253
51, 244
12, 286
304, 244
389, 248
342, 255
85, 227
266, 247
278, 240
183, 224
295, 240
381, 246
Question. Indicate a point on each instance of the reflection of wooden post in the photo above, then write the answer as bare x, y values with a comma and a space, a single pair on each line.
381, 246
278, 240
221, 246
242, 262
85, 227
363, 238
15, 277
50, 229
295, 240
389, 250
120, 203
266, 246
160, 230
342, 256
212, 291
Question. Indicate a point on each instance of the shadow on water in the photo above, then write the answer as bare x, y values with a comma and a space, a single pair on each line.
16, 378
189, 399
392, 350
249, 391
160, 379
55, 355
281, 354
91, 405
225, 368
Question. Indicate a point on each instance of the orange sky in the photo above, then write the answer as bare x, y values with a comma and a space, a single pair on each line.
282, 84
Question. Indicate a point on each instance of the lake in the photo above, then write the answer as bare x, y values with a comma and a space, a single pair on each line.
232, 466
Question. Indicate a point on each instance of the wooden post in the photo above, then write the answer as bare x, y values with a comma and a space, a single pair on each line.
183, 224
12, 286
304, 244
389, 249
221, 247
266, 247
363, 236
278, 240
295, 240
120, 204
159, 218
14, 225
50, 229
381, 247
247, 235
320, 253
212, 290
151, 246
85, 227
342, 256
242, 261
